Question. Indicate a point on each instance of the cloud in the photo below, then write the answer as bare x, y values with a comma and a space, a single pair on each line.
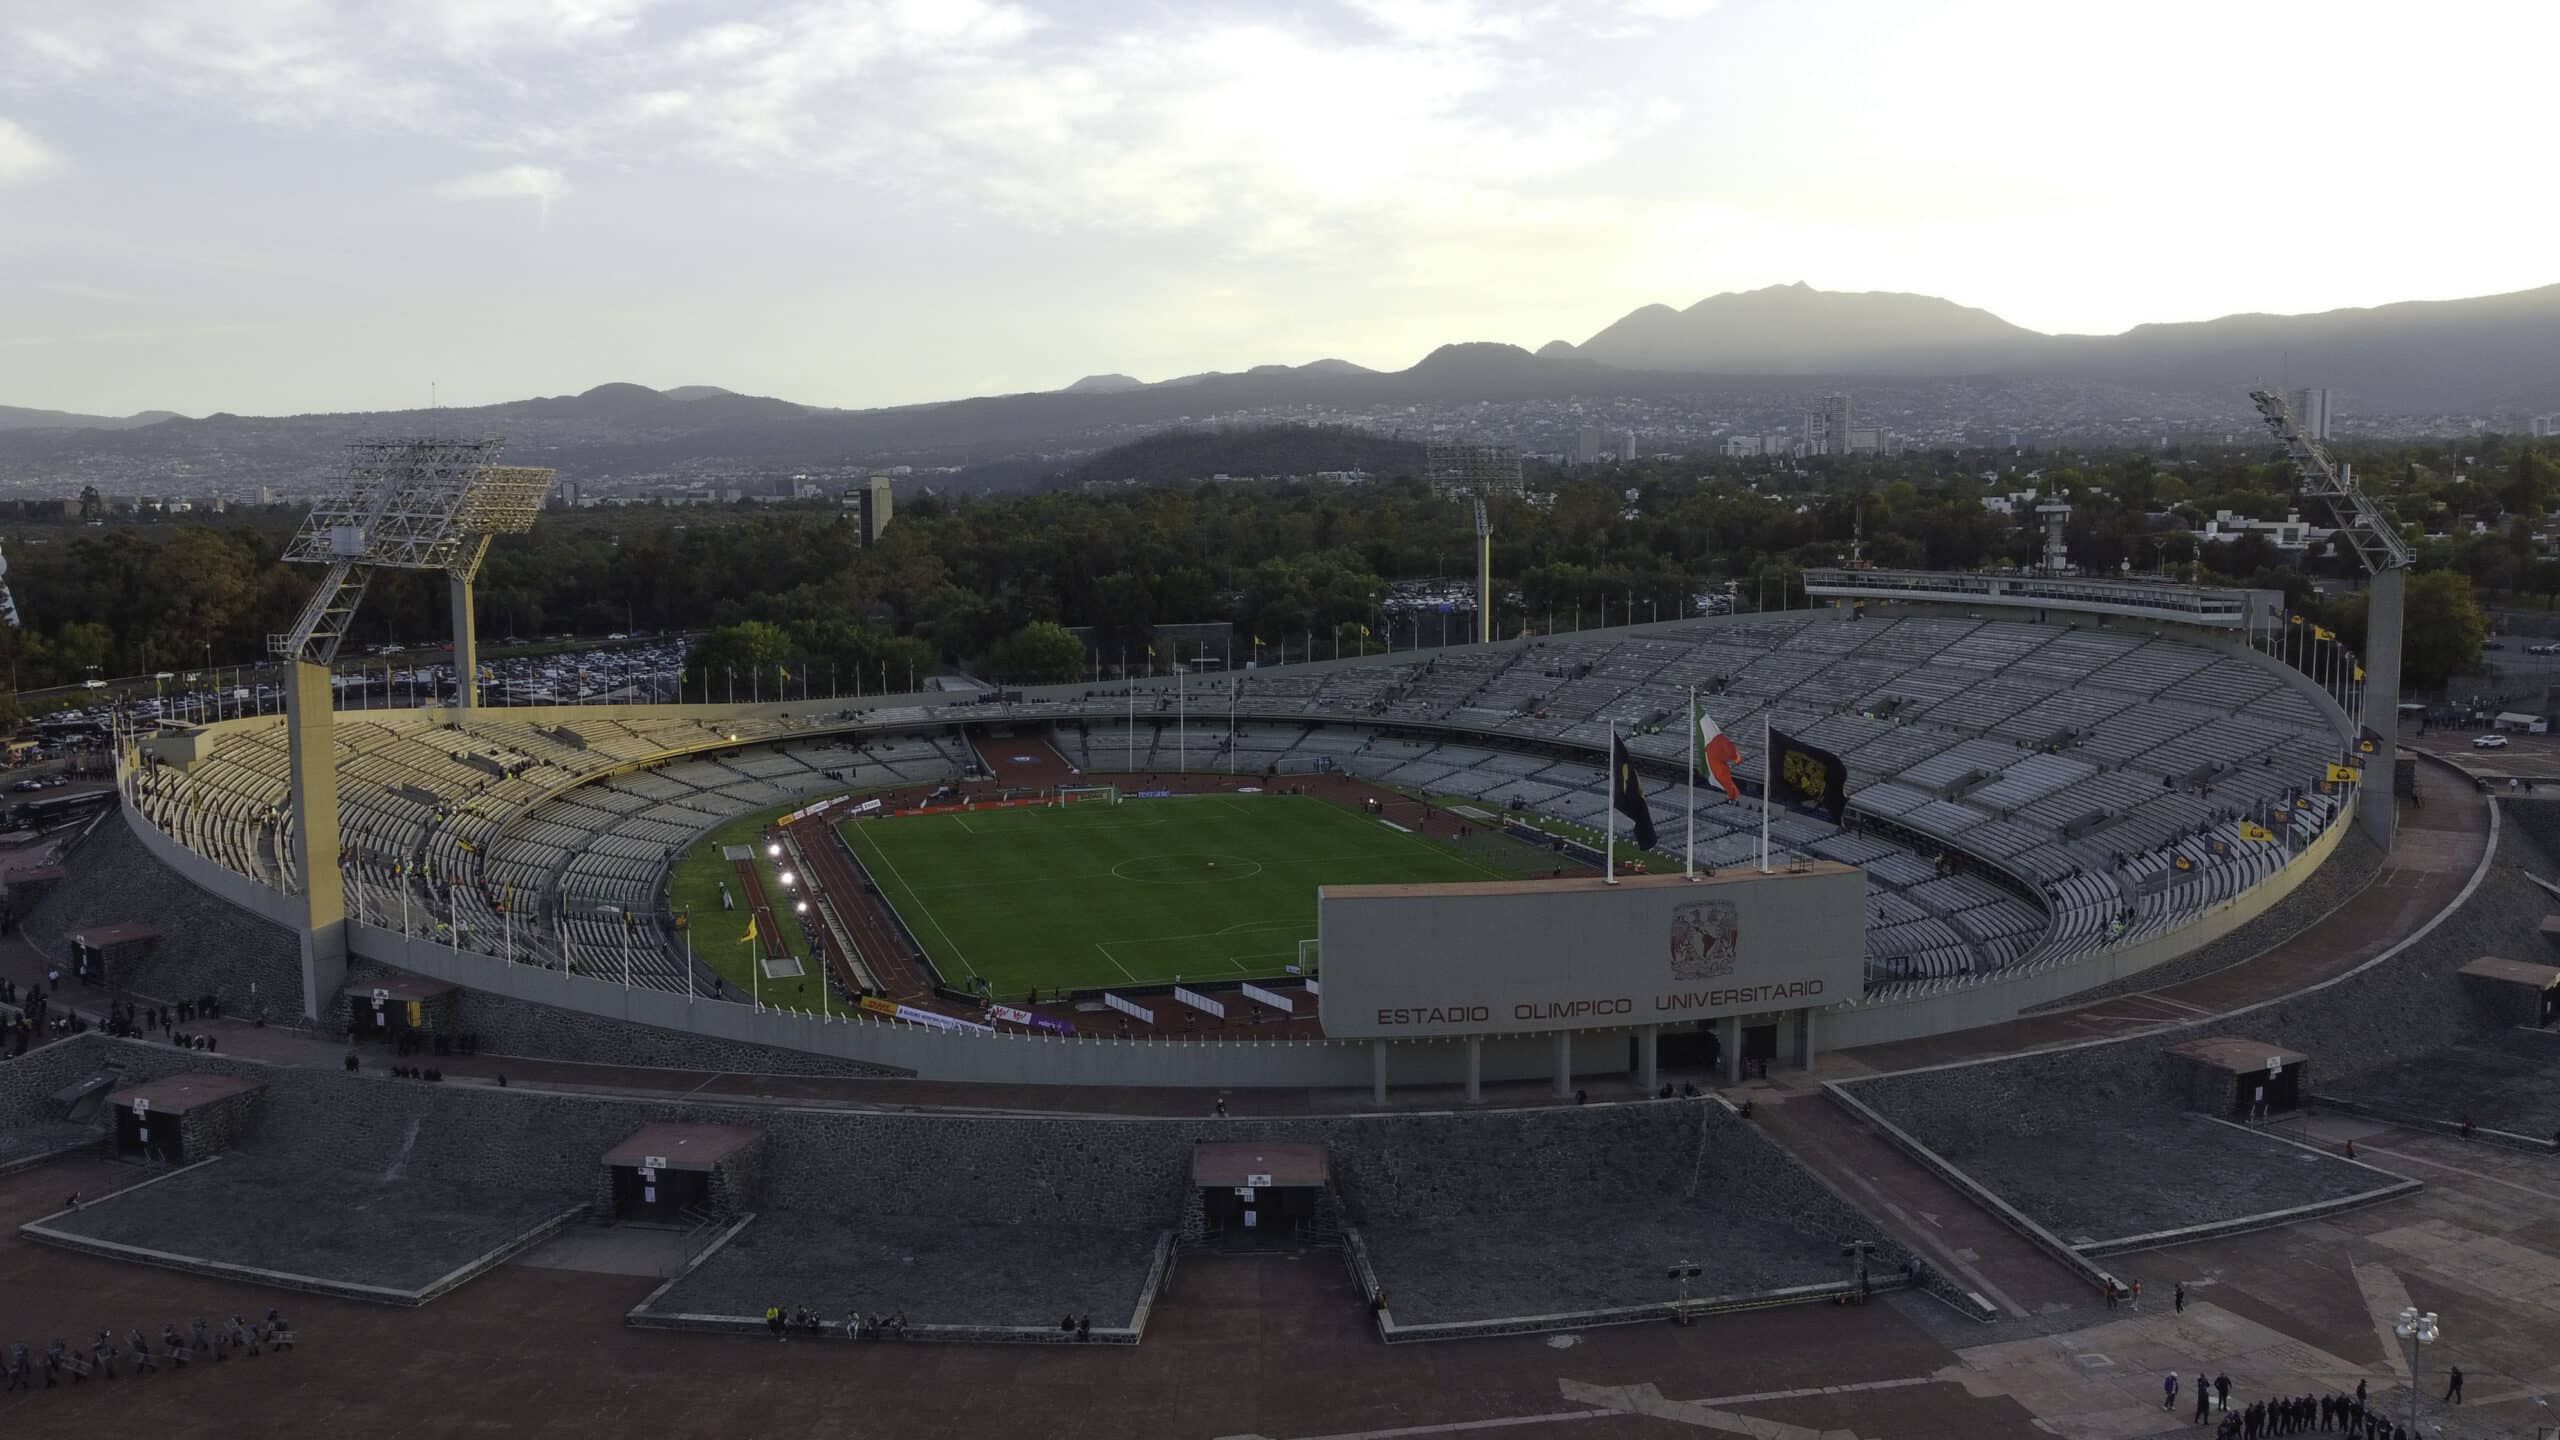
22, 156
508, 182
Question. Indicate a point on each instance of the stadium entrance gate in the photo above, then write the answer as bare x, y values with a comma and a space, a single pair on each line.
660, 1196
1684, 1047
1252, 1191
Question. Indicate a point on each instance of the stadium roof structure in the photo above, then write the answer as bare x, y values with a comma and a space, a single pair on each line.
2146, 599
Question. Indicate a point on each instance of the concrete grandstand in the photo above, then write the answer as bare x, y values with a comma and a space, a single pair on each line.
2040, 805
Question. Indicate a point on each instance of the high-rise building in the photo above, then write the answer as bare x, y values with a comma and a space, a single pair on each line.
1826, 427
874, 500
1590, 447
1626, 447
2311, 412
2546, 427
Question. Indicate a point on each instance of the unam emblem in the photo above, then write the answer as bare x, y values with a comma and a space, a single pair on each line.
1703, 936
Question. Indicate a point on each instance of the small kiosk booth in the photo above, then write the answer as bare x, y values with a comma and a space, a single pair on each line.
394, 1007
184, 1118
100, 953
1249, 1187
2518, 992
658, 1175
2241, 1079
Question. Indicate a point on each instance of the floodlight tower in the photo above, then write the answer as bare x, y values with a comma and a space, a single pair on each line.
2386, 558
407, 505
1484, 574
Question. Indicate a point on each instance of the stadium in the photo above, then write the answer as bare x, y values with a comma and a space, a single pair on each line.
960, 1012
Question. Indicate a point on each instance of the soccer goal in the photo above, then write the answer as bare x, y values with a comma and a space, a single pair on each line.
1088, 794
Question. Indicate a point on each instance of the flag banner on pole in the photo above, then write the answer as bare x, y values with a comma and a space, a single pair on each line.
1718, 752
2317, 633
1805, 777
2259, 833
750, 937
1627, 793
2344, 774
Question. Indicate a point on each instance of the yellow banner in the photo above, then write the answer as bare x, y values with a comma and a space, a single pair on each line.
417, 1016
2345, 773
2259, 833
878, 1006
2319, 634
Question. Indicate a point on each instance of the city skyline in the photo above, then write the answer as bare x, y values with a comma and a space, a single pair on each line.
292, 207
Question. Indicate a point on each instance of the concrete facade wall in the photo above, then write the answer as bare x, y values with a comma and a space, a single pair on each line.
2408, 1002
213, 1128
209, 943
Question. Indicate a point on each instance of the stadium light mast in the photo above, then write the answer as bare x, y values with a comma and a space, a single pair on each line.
1476, 472
420, 504
2386, 558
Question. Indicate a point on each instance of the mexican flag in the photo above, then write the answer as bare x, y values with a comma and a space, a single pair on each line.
1717, 750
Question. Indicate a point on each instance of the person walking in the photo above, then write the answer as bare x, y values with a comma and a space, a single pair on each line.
2453, 1386
2204, 1398
2169, 1391
2178, 1298
2222, 1392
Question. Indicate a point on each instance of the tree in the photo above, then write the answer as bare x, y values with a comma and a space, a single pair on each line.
92, 505
754, 651
1042, 653
2442, 629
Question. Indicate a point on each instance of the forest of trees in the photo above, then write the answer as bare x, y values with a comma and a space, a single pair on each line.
983, 582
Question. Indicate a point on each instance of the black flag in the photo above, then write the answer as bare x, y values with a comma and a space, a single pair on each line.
1627, 793
1803, 777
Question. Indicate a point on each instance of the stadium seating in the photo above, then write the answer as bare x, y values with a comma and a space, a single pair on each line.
2024, 793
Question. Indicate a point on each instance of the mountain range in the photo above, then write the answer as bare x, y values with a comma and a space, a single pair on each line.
2488, 356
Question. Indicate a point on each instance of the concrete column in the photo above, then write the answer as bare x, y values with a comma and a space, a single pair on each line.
1564, 1063
1649, 1056
310, 731
1805, 1022
2377, 809
1378, 1071
1729, 1046
1475, 1067
466, 646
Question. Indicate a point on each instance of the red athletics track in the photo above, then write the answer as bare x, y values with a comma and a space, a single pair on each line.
768, 933
875, 935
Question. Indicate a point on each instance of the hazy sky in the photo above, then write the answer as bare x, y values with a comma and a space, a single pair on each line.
279, 205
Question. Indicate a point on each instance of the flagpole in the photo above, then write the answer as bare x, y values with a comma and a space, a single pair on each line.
1692, 869
1133, 724
1181, 713
1768, 770
1609, 818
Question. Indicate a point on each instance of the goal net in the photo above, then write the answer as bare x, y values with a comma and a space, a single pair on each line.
1088, 794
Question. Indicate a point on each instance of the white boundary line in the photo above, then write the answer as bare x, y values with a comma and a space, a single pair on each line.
912, 899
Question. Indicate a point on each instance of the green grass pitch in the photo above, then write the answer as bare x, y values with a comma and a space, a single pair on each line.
1204, 888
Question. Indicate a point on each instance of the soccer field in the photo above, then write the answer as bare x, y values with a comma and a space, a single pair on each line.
1203, 888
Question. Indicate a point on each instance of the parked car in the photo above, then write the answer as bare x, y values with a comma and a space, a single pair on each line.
2490, 742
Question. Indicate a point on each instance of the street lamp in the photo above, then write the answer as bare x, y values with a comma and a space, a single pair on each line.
1681, 1272
774, 850
787, 879
2418, 1330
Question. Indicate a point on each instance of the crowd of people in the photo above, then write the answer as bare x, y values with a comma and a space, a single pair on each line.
40, 1017
2335, 1413
856, 1326
60, 1364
